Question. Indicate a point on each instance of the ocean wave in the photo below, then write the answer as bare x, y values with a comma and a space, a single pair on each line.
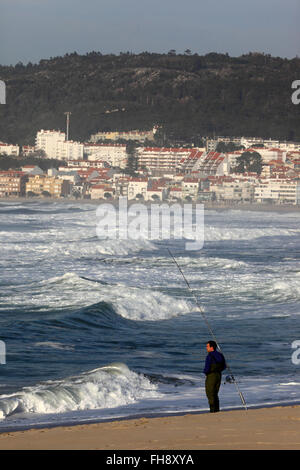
61, 245
72, 291
109, 386
203, 262
247, 288
215, 233
41, 209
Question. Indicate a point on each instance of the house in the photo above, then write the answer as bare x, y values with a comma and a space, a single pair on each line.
9, 149
101, 191
137, 187
175, 194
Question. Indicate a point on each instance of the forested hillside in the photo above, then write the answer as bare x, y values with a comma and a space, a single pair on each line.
189, 95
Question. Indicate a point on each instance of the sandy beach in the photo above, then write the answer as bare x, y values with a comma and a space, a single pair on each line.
275, 428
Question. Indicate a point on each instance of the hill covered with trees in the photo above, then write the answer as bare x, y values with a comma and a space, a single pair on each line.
189, 95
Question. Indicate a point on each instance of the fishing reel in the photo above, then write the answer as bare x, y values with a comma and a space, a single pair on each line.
229, 379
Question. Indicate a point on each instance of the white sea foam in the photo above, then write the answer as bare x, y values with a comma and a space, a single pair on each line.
70, 290
106, 387
215, 233
290, 383
211, 262
54, 345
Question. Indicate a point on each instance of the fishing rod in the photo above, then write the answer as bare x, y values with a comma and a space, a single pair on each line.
209, 328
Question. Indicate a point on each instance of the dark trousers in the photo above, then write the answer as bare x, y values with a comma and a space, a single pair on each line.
212, 386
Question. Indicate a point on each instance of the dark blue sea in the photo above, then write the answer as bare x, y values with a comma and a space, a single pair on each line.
100, 329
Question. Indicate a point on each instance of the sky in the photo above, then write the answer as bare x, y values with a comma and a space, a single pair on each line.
31, 30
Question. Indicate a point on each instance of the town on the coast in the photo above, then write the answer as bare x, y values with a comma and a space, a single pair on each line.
226, 170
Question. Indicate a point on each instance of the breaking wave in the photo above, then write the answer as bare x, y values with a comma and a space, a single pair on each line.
106, 387
71, 290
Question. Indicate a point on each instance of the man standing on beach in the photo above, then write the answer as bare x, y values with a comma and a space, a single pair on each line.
214, 365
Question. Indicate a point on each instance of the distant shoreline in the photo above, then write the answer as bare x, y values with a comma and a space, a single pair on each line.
207, 206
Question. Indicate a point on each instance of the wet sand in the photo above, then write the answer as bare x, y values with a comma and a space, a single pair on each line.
276, 428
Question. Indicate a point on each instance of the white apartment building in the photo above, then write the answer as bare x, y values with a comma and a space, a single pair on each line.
54, 144
48, 140
270, 143
269, 154
248, 142
9, 149
278, 190
115, 155
163, 159
233, 191
69, 150
136, 135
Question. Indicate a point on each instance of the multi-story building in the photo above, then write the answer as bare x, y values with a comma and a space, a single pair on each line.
162, 160
12, 183
211, 164
235, 191
137, 186
27, 150
69, 150
278, 190
9, 149
40, 185
188, 163
139, 136
121, 183
114, 154
47, 141
248, 142
190, 188
54, 144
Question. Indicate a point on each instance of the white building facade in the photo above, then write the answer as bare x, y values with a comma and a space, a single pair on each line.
54, 144
278, 191
9, 149
115, 155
